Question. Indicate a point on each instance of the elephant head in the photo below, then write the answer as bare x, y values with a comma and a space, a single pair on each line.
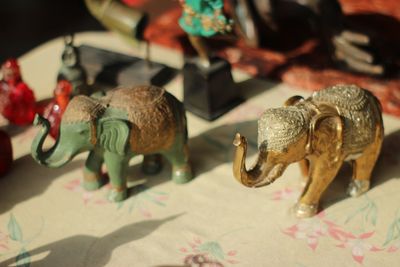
83, 127
285, 135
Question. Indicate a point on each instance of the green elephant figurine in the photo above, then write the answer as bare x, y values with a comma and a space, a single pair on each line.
116, 127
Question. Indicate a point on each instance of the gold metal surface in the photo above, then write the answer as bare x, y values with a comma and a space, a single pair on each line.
336, 124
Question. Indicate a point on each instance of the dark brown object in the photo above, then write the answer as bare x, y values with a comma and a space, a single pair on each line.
259, 21
6, 153
109, 68
210, 91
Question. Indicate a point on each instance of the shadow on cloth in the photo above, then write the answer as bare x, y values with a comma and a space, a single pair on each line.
386, 168
388, 165
28, 179
214, 147
72, 250
208, 150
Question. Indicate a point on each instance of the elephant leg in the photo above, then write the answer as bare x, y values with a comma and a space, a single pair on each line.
304, 168
363, 166
321, 175
362, 170
117, 166
178, 156
152, 164
92, 177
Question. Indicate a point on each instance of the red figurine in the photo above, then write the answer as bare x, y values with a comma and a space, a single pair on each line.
6, 155
54, 110
17, 103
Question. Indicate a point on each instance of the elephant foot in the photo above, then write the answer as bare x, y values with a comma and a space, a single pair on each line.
152, 164
182, 174
306, 210
358, 187
92, 181
117, 194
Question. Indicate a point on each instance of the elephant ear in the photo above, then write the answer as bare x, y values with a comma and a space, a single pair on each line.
326, 132
113, 135
293, 100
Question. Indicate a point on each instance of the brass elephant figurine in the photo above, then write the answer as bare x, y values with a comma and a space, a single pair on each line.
337, 124
124, 123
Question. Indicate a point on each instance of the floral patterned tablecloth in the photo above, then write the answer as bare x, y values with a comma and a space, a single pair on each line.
47, 219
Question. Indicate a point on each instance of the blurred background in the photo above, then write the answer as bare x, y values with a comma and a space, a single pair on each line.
28, 23
294, 54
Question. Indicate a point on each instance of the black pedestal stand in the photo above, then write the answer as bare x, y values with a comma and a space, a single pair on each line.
209, 92
109, 68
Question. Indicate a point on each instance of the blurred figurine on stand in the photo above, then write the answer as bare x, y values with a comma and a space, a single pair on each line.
209, 90
55, 109
203, 19
117, 69
17, 100
71, 69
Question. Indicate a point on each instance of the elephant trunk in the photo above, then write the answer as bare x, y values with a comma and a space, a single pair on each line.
256, 174
54, 157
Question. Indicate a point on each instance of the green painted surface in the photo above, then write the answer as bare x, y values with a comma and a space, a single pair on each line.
112, 132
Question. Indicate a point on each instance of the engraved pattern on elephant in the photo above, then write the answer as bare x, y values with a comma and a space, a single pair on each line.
359, 110
151, 116
347, 97
149, 109
278, 127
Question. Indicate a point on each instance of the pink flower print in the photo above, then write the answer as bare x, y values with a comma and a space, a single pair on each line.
3, 248
309, 230
101, 201
145, 213
74, 185
336, 232
87, 197
359, 246
395, 246
286, 194
210, 253
161, 198
3, 242
3, 237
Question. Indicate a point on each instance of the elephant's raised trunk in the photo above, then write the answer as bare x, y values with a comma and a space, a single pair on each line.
256, 174
54, 157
